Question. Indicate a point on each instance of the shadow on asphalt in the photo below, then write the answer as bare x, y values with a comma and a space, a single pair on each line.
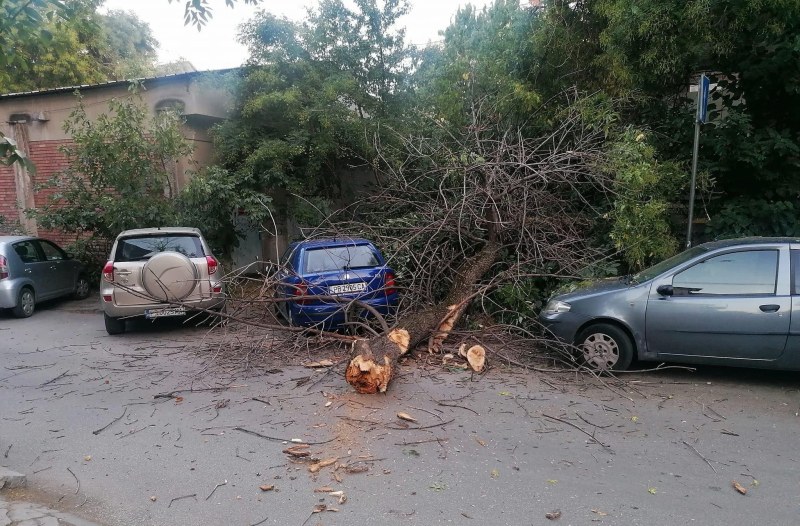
742, 376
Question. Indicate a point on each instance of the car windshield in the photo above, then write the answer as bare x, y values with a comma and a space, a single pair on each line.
144, 247
660, 268
340, 258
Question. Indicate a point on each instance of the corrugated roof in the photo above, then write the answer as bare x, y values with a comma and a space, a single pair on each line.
64, 89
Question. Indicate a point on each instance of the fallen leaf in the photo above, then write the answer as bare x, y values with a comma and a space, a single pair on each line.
411, 452
738, 487
552, 481
298, 451
495, 473
634, 419
266, 487
178, 399
553, 515
601, 513
505, 393
481, 442
406, 417
651, 491
313, 468
755, 483
324, 489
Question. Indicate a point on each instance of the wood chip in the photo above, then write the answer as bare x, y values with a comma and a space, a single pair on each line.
314, 468
324, 489
553, 515
738, 487
266, 487
298, 451
406, 417
321, 363
476, 356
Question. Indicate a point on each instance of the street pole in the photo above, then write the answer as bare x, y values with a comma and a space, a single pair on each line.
694, 180
700, 117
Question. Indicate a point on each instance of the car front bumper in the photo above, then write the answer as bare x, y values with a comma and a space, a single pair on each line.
563, 325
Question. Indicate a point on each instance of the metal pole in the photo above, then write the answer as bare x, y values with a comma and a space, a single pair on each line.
694, 179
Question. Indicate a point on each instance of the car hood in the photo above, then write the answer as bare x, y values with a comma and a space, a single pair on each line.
587, 289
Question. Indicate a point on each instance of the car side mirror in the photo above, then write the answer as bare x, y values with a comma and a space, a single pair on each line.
665, 290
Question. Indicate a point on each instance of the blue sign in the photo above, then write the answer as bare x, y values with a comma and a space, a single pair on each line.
702, 99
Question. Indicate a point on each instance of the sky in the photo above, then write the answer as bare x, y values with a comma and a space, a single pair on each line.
215, 47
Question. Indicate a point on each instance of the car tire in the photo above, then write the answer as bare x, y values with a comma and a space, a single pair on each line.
605, 347
114, 325
26, 303
82, 288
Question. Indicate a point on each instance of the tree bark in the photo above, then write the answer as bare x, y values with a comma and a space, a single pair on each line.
374, 360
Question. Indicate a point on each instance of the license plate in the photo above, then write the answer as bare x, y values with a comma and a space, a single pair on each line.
347, 287
164, 313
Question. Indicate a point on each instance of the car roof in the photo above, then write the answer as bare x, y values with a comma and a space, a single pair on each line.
14, 239
331, 242
159, 230
724, 243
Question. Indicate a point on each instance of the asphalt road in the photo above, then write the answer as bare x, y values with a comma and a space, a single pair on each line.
81, 415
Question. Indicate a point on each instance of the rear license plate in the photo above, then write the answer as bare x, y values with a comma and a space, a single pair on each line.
164, 313
347, 287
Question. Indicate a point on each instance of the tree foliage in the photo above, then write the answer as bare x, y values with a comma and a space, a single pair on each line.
313, 94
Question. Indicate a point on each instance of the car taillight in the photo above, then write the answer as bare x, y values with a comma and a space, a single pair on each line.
388, 283
108, 272
3, 267
212, 264
300, 290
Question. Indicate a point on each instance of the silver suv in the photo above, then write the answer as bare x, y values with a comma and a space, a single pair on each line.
158, 273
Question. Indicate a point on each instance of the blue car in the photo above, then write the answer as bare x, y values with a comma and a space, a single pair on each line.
319, 279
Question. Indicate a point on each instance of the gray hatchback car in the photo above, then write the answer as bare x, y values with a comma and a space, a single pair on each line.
734, 302
34, 270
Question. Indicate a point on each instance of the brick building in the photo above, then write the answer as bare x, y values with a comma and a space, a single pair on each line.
35, 121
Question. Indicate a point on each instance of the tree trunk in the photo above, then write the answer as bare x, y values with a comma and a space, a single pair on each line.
372, 366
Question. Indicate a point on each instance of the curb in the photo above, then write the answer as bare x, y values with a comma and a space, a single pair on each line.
11, 479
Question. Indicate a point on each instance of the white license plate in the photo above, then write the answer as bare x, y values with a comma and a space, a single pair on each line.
164, 313
347, 287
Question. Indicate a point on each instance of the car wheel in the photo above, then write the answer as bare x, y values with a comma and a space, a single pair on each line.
114, 325
82, 288
605, 347
26, 303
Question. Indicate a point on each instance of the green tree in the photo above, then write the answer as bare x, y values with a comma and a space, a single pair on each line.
313, 96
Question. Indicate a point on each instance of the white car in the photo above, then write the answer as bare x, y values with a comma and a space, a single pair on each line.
158, 273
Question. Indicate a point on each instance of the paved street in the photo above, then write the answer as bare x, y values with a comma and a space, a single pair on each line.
129, 430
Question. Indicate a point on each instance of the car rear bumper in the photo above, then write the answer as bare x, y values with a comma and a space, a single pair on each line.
334, 315
127, 311
9, 291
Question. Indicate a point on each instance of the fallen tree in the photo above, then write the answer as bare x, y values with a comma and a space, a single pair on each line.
462, 217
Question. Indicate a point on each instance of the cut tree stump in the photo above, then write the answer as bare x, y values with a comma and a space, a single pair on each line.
372, 366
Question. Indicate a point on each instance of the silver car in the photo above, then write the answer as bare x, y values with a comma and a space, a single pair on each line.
734, 302
159, 273
34, 270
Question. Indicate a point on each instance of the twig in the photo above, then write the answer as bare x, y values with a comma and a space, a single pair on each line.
417, 442
215, 489
5, 455
421, 427
590, 423
260, 522
458, 406
429, 412
98, 431
579, 429
183, 497
172, 394
76, 480
259, 435
62, 375
699, 455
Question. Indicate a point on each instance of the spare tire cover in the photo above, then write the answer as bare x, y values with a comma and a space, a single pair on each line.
169, 276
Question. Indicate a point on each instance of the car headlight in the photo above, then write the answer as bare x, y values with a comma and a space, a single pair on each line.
555, 307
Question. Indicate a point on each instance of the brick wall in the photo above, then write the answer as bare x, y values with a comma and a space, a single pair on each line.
49, 161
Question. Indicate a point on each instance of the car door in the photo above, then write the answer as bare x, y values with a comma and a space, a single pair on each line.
35, 268
733, 305
59, 269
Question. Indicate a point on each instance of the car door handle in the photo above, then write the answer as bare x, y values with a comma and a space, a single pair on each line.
769, 308
28, 271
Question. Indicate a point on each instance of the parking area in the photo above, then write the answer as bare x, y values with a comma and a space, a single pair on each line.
141, 429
